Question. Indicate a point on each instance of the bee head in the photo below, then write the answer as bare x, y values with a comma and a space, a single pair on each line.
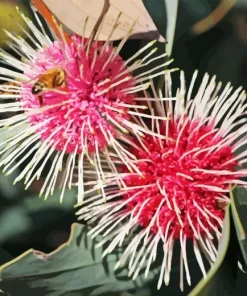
37, 89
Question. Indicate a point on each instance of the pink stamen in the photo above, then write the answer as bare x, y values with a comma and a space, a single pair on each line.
185, 176
88, 99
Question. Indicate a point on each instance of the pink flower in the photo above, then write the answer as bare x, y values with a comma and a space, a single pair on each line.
76, 99
185, 178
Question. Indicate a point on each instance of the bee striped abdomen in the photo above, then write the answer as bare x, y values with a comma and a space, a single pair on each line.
50, 80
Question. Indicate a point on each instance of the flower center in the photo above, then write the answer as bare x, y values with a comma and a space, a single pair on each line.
182, 182
80, 96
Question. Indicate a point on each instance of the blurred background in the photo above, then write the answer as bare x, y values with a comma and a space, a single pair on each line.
217, 46
221, 50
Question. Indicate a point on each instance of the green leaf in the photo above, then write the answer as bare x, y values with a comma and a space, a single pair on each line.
171, 11
142, 292
75, 268
210, 285
4, 257
164, 15
240, 194
238, 209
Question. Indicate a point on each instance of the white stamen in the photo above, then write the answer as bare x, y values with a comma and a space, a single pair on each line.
199, 258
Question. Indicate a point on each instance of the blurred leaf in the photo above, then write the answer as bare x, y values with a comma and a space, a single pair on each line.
191, 12
171, 10
4, 256
210, 285
33, 213
198, 10
164, 15
142, 292
213, 18
7, 190
6, 132
44, 212
33, 204
8, 8
75, 268
14, 221
242, 4
240, 194
240, 198
157, 11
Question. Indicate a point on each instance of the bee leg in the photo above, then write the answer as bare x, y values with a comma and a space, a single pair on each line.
40, 100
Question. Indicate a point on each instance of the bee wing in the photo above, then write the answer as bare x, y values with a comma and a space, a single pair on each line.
73, 13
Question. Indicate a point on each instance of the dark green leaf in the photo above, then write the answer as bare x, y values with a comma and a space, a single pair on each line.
171, 10
142, 292
4, 256
164, 15
8, 190
76, 268
240, 194
14, 221
238, 209
197, 10
241, 4
33, 204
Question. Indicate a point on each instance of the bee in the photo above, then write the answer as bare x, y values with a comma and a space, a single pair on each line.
51, 79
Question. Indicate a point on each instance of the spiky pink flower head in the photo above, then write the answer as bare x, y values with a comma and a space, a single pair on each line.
185, 179
76, 99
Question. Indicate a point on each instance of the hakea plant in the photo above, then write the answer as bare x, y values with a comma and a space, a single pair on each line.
73, 100
183, 189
